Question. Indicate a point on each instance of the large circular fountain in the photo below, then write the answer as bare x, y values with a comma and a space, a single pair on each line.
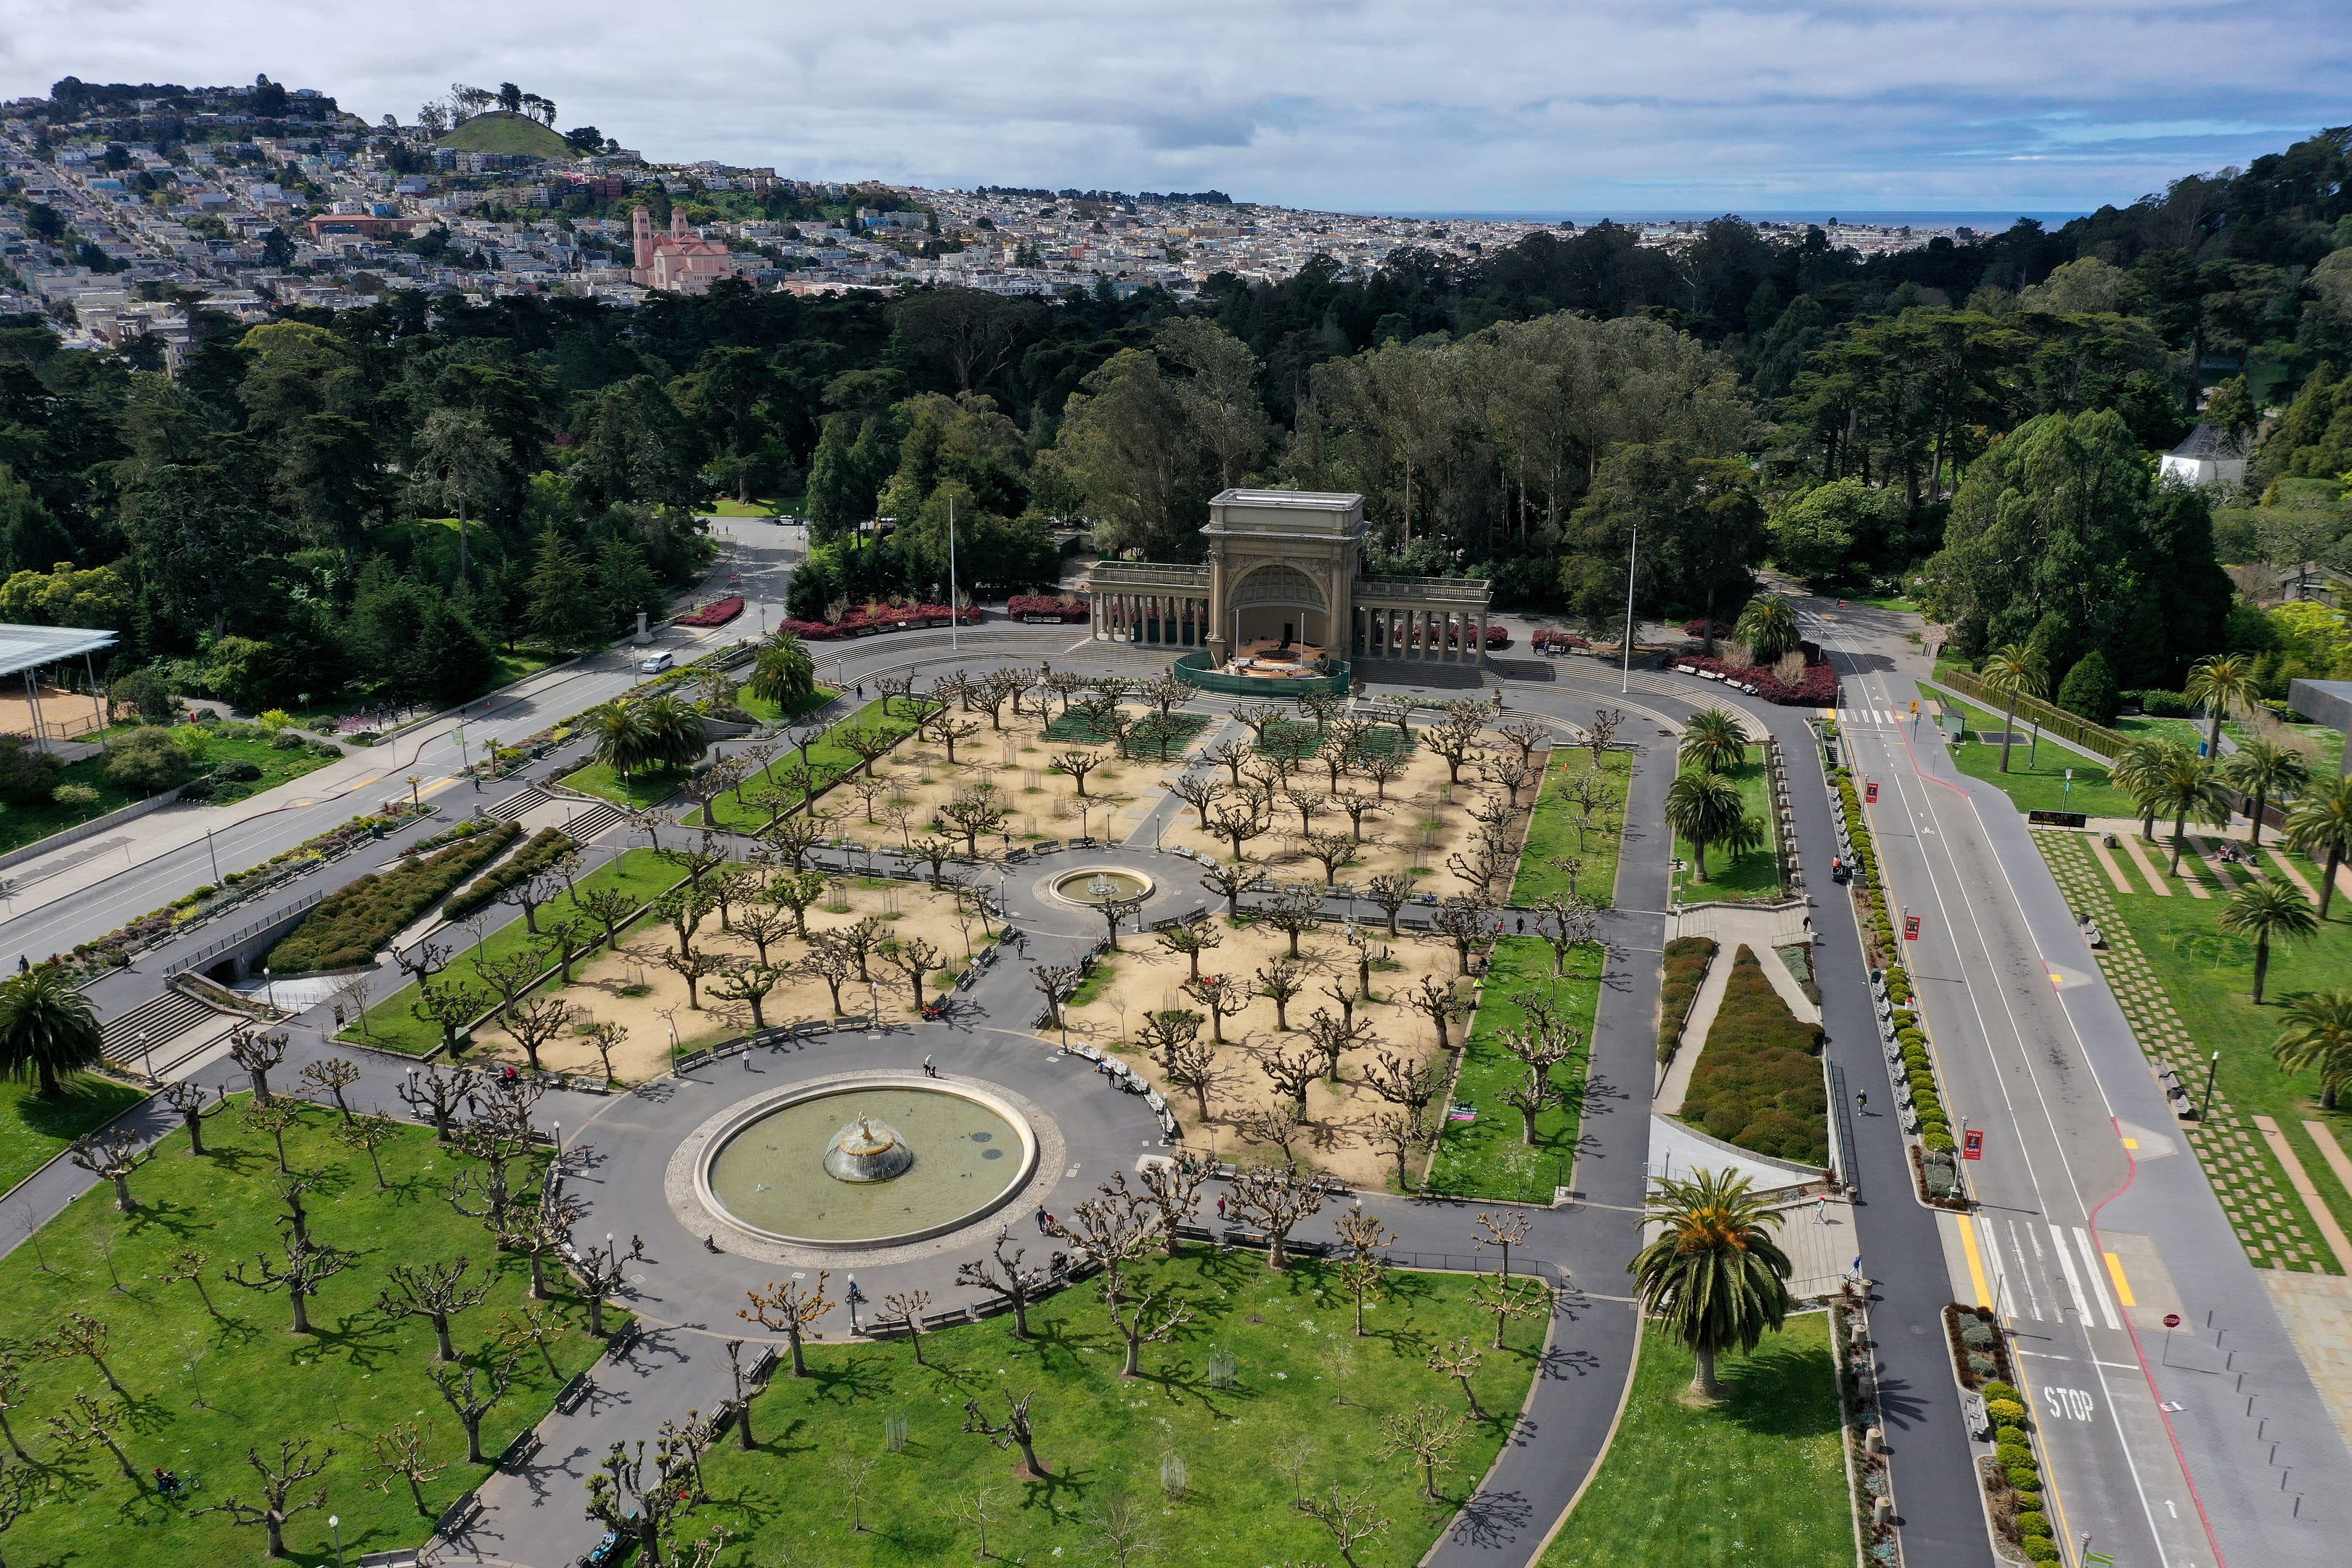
841, 1164
1101, 884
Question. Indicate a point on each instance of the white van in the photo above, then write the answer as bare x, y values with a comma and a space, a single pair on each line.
656, 663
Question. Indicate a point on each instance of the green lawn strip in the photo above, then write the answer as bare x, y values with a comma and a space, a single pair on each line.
2139, 724
2036, 781
640, 792
1553, 830
341, 1387
33, 1129
1759, 1478
1182, 728
1301, 1374
1485, 1157
1755, 875
2208, 976
740, 509
2327, 745
770, 711
393, 1025
825, 755
1757, 1083
1299, 737
21, 823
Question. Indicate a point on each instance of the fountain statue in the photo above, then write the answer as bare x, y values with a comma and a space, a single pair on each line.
868, 1151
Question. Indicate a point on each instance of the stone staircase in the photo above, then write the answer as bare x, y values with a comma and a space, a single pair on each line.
177, 1026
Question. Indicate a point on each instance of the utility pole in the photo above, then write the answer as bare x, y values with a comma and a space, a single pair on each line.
1625, 682
954, 619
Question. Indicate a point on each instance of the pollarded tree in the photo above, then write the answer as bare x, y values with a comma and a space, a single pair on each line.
790, 1308
114, 1156
1295, 908
1438, 1004
188, 1098
1566, 923
330, 1077
1365, 1269
749, 982
1459, 1360
537, 1022
1713, 1273
1015, 1432
1191, 938
404, 1454
436, 1094
1456, 739
450, 1003
1466, 921
1199, 791
1403, 1133
1221, 996
472, 1392
295, 1465
1427, 1435
80, 1337
1238, 821
636, 1501
1003, 1273
1076, 764
1174, 1190
434, 1290
308, 1265
1402, 1081
914, 958
257, 1052
1509, 1299
1230, 882
1274, 1200
1389, 892
1279, 982
1332, 850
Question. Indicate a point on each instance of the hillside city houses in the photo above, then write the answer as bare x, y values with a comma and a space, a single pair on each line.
154, 206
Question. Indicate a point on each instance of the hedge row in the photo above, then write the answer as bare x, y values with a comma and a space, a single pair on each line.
1759, 1084
1687, 961
2055, 720
546, 846
357, 920
1866, 883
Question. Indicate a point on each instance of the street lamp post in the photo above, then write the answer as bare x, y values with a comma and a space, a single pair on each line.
1633, 555
147, 1055
335, 1523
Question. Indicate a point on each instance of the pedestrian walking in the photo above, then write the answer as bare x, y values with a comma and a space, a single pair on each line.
1042, 1217
1822, 1209
928, 1070
339, 1016
1221, 1207
637, 1245
1862, 1099
1523, 925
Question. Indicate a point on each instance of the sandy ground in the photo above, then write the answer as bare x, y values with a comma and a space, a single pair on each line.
632, 988
1148, 976
1043, 804
1424, 821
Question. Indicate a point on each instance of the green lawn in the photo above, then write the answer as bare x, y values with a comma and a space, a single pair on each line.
1758, 1479
21, 825
640, 792
2036, 782
1755, 875
1486, 1158
2207, 975
202, 1387
391, 1024
769, 712
33, 1129
738, 509
825, 754
1302, 1377
1559, 830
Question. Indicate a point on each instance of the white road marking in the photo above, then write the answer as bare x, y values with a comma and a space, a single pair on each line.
2074, 1277
2097, 1268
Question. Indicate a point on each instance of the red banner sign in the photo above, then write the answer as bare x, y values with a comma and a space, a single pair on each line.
1870, 791
1971, 1145
1910, 928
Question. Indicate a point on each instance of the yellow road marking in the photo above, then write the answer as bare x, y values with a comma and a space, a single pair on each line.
2116, 1272
2131, 1143
1976, 1262
437, 784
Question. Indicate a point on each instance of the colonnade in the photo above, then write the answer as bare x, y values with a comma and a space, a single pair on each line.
1170, 620
1447, 637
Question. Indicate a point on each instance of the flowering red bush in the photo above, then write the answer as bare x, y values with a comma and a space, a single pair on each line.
1818, 688
889, 618
1546, 638
1047, 607
1697, 628
717, 612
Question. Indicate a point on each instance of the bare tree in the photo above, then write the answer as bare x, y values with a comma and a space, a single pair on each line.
538, 1023
1295, 908
1332, 850
422, 962
472, 1392
12, 1398
1365, 1268
1357, 808
1223, 995
794, 837
974, 812
1402, 1081
1389, 892
1466, 921
1189, 1062
451, 1005
789, 1307
308, 1265
1116, 913
609, 908
907, 1307
1280, 984
830, 961
1528, 735
1456, 739
1504, 1228
1602, 733
1567, 922
402, 1455
914, 958
1436, 1001
1199, 791
1239, 821
1230, 882
436, 1094
258, 1053
598, 1272
630, 1499
434, 1290
272, 1119
188, 1100
1191, 938
114, 1156
536, 1328
368, 1134
1174, 1190
749, 982
1274, 1200
529, 893
1016, 1432
1333, 1038
976, 1507
1290, 1072
1426, 1435
80, 1337
1350, 1517
330, 1078
691, 964
1282, 1128
1076, 764
1001, 1273
1403, 1133
1509, 1299
743, 1438
1459, 1359
1121, 1528
88, 1423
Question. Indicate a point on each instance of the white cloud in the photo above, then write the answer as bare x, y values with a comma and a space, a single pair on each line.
1346, 103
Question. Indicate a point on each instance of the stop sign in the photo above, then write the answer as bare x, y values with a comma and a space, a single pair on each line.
2171, 1320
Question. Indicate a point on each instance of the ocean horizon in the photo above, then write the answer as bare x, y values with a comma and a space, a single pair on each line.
1992, 221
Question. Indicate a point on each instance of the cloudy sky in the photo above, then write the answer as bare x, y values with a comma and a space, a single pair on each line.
1363, 105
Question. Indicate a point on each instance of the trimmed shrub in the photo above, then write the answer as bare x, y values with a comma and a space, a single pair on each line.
2033, 1524
2008, 1412
146, 761
546, 846
1978, 1365
1993, 1391
2015, 1456
1939, 1142
1978, 1335
286, 741
2029, 1498
1759, 1084
236, 773
2039, 1548
358, 919
2006, 1434
1687, 959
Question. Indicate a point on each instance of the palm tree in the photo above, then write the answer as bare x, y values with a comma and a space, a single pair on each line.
46, 1028
1705, 808
2014, 671
2186, 785
1714, 1274
2265, 911
1767, 627
623, 741
2263, 769
2138, 766
2320, 828
1714, 740
675, 739
783, 674
2223, 681
2318, 1034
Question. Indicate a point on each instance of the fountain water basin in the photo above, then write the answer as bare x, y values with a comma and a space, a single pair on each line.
869, 1163
1099, 885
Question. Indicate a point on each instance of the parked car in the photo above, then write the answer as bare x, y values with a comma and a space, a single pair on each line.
654, 663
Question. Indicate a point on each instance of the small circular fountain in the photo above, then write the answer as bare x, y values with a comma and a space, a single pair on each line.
1099, 885
835, 1164
867, 1150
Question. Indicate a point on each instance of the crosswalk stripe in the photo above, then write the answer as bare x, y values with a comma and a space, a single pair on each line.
2073, 1275
2098, 1276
